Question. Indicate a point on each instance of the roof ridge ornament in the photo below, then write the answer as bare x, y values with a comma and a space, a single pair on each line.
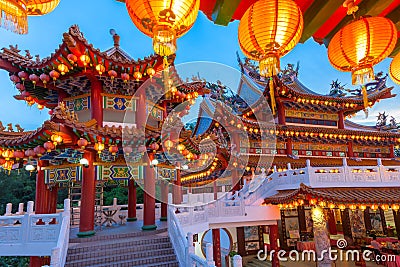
116, 37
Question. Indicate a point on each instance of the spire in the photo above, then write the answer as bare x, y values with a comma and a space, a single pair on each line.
116, 37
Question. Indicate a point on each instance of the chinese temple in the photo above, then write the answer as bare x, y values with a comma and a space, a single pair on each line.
269, 164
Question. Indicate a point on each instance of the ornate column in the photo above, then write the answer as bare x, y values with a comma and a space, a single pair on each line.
273, 239
216, 237
289, 148
149, 202
96, 101
341, 120
86, 222
321, 236
164, 199
41, 200
177, 189
350, 153
131, 201
235, 172
332, 222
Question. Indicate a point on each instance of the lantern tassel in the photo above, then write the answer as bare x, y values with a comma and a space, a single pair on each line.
13, 17
362, 76
272, 95
270, 65
365, 99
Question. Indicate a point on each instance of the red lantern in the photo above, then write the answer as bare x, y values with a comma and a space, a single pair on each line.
125, 77
113, 150
128, 150
23, 75
44, 78
20, 87
154, 146
113, 74
185, 152
39, 150
34, 79
54, 74
142, 149
72, 58
82, 143
49, 146
2, 161
19, 154
30, 153
15, 79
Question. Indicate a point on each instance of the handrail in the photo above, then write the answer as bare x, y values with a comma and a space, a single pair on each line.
59, 253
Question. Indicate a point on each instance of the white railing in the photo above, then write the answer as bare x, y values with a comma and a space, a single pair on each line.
33, 234
343, 176
59, 253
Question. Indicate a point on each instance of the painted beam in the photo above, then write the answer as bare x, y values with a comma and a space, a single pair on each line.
316, 15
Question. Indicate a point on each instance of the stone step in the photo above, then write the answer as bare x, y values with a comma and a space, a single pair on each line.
113, 251
121, 260
116, 236
164, 264
115, 243
118, 257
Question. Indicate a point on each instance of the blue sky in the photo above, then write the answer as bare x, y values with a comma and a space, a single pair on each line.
204, 42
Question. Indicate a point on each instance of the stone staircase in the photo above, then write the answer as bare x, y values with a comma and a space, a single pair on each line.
146, 249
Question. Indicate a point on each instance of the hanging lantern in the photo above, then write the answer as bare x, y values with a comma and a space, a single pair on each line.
113, 74
385, 207
40, 107
185, 152
2, 161
40, 7
181, 147
113, 150
142, 149
99, 147
342, 207
360, 45
44, 78
394, 70
20, 87
150, 72
72, 58
54, 74
137, 75
154, 147
127, 150
374, 207
168, 144
30, 153
57, 139
14, 16
82, 143
39, 150
7, 154
34, 79
100, 69
15, 79
8, 165
49, 146
164, 21
23, 75
125, 77
85, 59
395, 207
269, 30
62, 68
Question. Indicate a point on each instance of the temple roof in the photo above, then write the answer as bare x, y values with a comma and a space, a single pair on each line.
383, 195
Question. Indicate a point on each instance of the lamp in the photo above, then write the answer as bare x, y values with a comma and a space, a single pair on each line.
153, 163
29, 167
84, 162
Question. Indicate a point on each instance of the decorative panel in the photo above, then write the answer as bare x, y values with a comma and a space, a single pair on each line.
167, 174
78, 103
119, 103
155, 112
118, 172
371, 149
311, 115
63, 174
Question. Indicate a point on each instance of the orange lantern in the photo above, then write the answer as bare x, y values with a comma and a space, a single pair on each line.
82, 143
137, 75
49, 146
181, 147
57, 139
100, 69
113, 150
360, 45
168, 144
14, 16
72, 58
269, 30
125, 77
40, 7
99, 147
150, 72
85, 59
7, 154
62, 68
163, 20
394, 70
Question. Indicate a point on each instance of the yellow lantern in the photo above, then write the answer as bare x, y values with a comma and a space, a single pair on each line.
385, 207
394, 70
40, 7
163, 20
100, 69
56, 139
62, 68
168, 144
395, 207
360, 45
99, 147
342, 207
269, 30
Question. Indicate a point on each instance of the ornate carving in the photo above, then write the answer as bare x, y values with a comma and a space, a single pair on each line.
19, 129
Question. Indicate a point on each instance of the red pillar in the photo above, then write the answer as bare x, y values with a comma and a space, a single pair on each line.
96, 101
216, 237
391, 151
131, 201
281, 113
350, 149
273, 239
164, 200
52, 195
41, 207
341, 120
149, 202
332, 222
86, 222
215, 188
289, 148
